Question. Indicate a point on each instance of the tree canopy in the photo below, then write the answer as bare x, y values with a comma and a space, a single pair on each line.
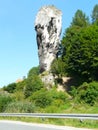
95, 14
80, 19
80, 43
81, 52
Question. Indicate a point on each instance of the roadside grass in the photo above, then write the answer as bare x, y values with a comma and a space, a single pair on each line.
82, 108
92, 124
58, 105
65, 108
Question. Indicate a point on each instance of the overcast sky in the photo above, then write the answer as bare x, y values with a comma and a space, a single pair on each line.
18, 48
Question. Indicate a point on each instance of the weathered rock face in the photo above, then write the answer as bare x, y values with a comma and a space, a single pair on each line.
48, 28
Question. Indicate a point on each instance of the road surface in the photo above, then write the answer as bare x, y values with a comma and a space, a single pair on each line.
16, 125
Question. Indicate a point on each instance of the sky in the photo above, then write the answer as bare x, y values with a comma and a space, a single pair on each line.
18, 47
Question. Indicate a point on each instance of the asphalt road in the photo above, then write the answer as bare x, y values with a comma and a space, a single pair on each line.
15, 125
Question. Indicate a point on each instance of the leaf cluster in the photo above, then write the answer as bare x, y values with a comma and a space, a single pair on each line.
88, 93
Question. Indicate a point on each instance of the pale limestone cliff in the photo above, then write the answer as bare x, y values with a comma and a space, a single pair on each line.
48, 26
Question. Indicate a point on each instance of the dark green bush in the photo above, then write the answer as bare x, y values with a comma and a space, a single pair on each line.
88, 92
44, 97
33, 84
4, 101
10, 88
41, 98
33, 71
58, 67
58, 95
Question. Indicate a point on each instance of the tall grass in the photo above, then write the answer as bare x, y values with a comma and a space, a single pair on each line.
20, 107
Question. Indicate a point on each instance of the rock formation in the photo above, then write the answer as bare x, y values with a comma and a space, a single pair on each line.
48, 29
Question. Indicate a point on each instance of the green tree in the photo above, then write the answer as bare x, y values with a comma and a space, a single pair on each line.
80, 19
81, 56
95, 14
10, 88
33, 71
68, 38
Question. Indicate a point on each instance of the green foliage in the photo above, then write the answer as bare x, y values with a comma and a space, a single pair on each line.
33, 71
21, 85
58, 102
58, 67
4, 101
73, 91
80, 44
58, 95
20, 107
81, 57
80, 19
95, 14
18, 96
88, 92
44, 97
41, 98
10, 88
32, 84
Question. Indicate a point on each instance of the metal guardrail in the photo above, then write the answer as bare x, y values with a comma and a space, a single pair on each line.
52, 115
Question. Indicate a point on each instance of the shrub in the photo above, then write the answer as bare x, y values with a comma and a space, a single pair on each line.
20, 85
33, 71
58, 95
88, 92
20, 107
41, 98
44, 97
18, 95
4, 101
33, 84
58, 67
10, 88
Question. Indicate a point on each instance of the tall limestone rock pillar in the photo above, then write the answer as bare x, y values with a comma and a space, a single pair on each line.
48, 26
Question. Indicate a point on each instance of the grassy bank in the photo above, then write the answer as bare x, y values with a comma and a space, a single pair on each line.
92, 124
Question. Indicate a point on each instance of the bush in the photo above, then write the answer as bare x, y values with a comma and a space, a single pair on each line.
58, 67
20, 85
20, 107
18, 96
44, 97
88, 92
41, 98
4, 101
33, 71
58, 95
33, 84
10, 88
